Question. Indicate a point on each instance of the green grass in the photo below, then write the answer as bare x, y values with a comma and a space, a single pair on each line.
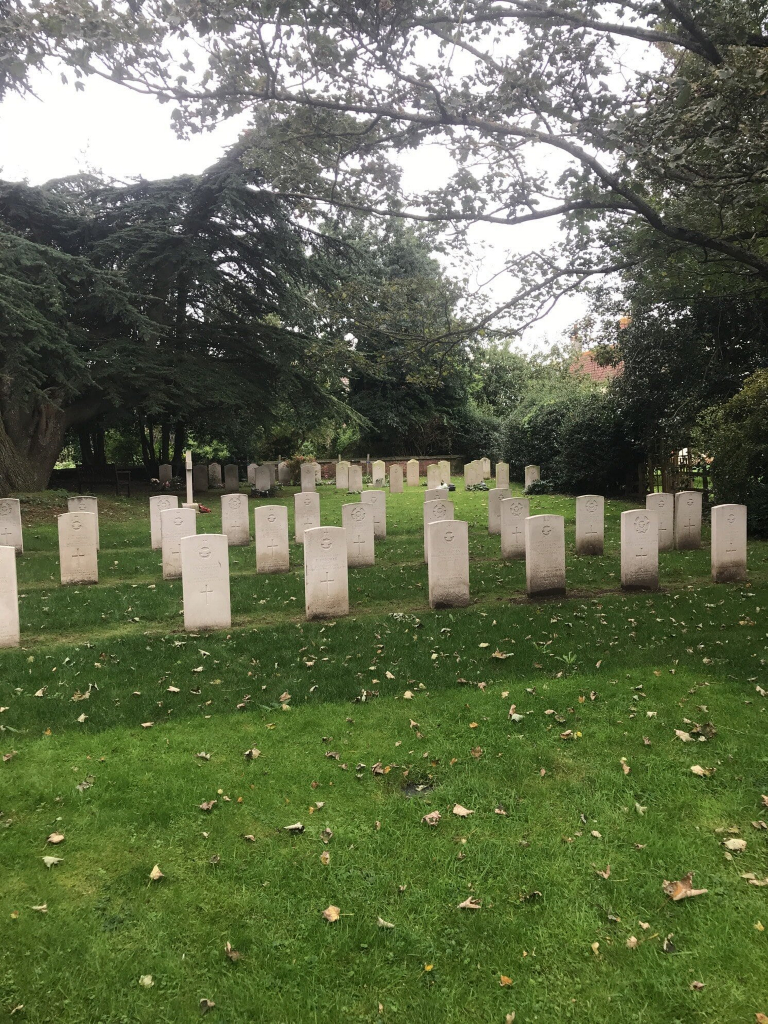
692, 651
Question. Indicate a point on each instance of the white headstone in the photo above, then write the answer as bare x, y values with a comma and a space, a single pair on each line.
663, 505
502, 474
307, 476
433, 493
78, 555
251, 473
688, 520
532, 473
271, 468
165, 473
729, 543
205, 582
378, 499
175, 523
357, 520
448, 563
283, 473
234, 519
434, 511
639, 550
214, 475
495, 496
270, 524
379, 473
342, 476
200, 477
472, 474
318, 472
396, 479
412, 472
262, 479
326, 587
86, 503
434, 477
159, 503
306, 513
544, 555
590, 524
513, 513
445, 471
231, 478
10, 635
355, 475
10, 524
485, 467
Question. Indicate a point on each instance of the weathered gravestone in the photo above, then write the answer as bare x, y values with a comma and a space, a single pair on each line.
532, 474
513, 512
283, 473
234, 519
200, 477
469, 475
231, 478
10, 524
433, 493
396, 479
639, 550
307, 476
250, 471
205, 582
214, 475
326, 587
590, 524
342, 476
86, 503
355, 476
10, 634
544, 555
502, 474
688, 520
664, 506
448, 563
729, 543
412, 472
485, 467
78, 555
378, 501
434, 511
318, 472
495, 496
445, 471
357, 520
271, 468
306, 513
270, 523
165, 473
159, 503
262, 479
434, 477
175, 523
379, 473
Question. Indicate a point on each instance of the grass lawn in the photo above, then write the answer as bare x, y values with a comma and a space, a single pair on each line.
615, 674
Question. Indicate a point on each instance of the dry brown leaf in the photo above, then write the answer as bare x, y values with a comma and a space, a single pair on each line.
461, 812
644, 925
147, 725
297, 828
470, 903
595, 947
384, 924
754, 880
604, 874
696, 986
206, 1005
232, 954
156, 874
735, 845
332, 913
41, 908
703, 773
208, 805
504, 981
631, 942
55, 838
684, 736
682, 889
432, 818
51, 862
325, 858
624, 766
761, 1018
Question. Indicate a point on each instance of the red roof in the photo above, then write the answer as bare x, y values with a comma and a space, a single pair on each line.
600, 374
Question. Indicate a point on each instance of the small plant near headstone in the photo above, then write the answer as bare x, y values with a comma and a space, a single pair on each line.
540, 487
482, 486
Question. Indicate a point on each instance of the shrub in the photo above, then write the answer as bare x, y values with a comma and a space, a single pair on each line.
540, 487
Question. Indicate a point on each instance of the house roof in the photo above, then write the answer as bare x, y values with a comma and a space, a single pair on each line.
586, 363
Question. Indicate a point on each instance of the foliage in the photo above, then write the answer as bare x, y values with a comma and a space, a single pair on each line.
540, 487
594, 450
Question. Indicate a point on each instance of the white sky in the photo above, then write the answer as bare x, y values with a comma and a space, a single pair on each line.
125, 135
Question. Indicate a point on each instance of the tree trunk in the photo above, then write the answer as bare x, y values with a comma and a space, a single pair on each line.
165, 444
147, 451
179, 443
30, 442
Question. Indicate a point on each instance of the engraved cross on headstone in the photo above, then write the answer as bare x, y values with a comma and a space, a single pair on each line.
328, 581
206, 590
78, 553
271, 548
689, 525
360, 542
6, 532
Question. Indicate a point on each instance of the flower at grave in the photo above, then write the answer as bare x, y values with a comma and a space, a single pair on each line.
203, 508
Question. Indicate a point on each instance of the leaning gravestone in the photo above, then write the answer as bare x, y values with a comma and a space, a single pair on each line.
234, 519
270, 524
355, 475
165, 473
502, 474
10, 524
664, 506
412, 472
448, 563
434, 477
639, 550
532, 474
283, 473
357, 520
513, 512
729, 543
214, 475
250, 471
86, 503
306, 513
688, 520
342, 476
307, 476
434, 511
78, 554
544, 555
379, 473
175, 523
200, 477
205, 582
157, 504
326, 586
485, 467
590, 524
262, 479
396, 479
231, 478
10, 635
378, 501
495, 496
445, 471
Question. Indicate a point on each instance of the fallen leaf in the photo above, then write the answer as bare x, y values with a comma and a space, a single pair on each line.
206, 1005
461, 812
147, 725
703, 773
505, 982
208, 805
682, 889
51, 862
754, 880
758, 925
684, 736
232, 954
432, 818
297, 827
408, 695
325, 858
644, 925
510, 1018
146, 981
604, 874
735, 845
42, 908
696, 986
55, 838
384, 924
203, 756
332, 913
595, 834
82, 719
156, 874
631, 942
471, 903
639, 808
595, 947
624, 766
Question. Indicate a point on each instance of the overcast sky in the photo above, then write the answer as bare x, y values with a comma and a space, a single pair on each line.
125, 135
